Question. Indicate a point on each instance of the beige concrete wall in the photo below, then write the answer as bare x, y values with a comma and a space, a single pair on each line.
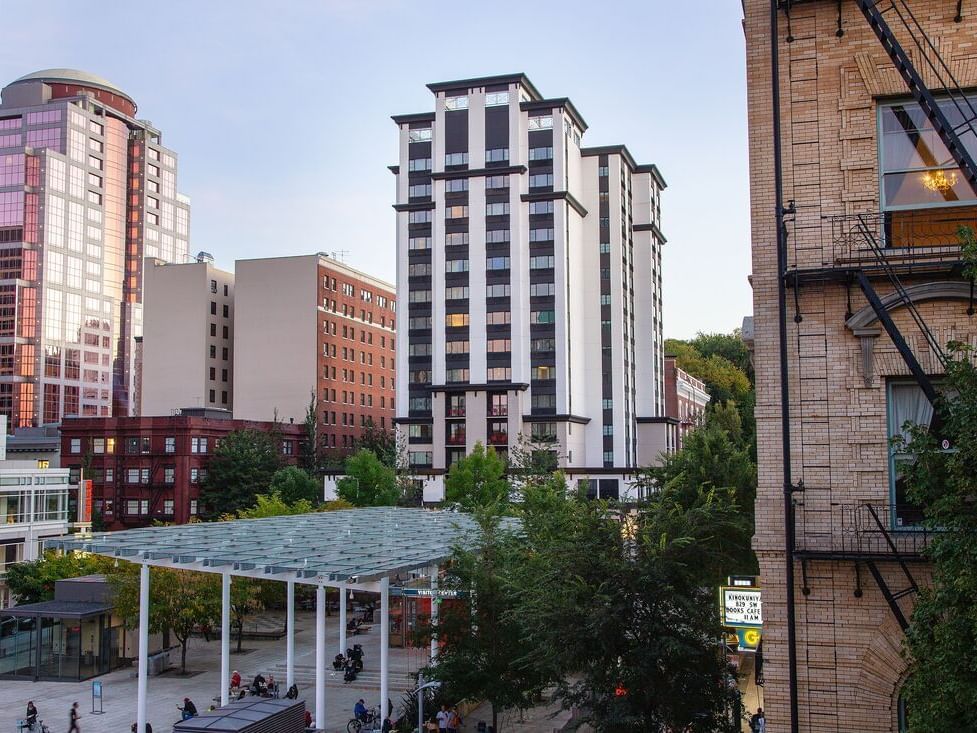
848, 646
176, 336
275, 340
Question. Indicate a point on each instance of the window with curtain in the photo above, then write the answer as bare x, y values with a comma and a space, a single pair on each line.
907, 406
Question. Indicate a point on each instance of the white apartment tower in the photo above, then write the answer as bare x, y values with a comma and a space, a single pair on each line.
529, 277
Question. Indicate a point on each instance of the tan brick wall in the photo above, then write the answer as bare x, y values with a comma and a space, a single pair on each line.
848, 649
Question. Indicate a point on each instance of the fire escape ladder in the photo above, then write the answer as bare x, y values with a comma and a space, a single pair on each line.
891, 598
919, 374
946, 83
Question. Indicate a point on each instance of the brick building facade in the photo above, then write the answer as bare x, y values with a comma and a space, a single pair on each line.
147, 469
686, 399
312, 325
871, 202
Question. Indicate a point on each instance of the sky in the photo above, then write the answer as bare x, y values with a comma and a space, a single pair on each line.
280, 112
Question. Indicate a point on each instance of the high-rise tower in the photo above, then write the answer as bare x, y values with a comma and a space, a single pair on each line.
86, 192
529, 279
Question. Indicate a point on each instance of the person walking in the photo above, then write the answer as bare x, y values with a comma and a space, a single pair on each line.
149, 728
73, 716
758, 723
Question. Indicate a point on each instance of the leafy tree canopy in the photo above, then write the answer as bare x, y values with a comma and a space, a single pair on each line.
477, 481
941, 690
293, 484
33, 582
242, 467
368, 482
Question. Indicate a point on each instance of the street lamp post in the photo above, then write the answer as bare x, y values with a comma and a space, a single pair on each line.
421, 686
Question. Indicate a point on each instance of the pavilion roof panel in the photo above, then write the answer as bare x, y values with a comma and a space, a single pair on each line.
362, 544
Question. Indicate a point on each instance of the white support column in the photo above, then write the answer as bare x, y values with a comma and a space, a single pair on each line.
320, 657
225, 637
433, 571
384, 645
342, 618
290, 634
143, 647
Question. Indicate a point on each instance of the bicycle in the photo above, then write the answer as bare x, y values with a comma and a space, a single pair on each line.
355, 725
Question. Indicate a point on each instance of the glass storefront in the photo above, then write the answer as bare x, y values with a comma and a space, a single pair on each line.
51, 648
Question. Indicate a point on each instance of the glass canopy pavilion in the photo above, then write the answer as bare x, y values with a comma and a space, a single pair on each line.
353, 549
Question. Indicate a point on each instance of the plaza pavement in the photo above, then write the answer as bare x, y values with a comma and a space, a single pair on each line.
53, 699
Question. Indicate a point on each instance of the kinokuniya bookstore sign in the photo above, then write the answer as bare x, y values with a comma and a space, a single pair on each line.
741, 609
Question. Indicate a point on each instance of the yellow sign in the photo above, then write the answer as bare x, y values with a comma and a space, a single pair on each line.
43, 463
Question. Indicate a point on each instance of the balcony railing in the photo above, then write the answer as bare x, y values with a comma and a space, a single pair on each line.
498, 438
456, 439
914, 241
498, 412
455, 412
851, 530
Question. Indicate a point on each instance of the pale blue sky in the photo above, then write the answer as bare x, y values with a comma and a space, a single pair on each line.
280, 111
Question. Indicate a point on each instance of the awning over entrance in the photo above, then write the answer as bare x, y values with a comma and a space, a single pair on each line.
76, 610
351, 546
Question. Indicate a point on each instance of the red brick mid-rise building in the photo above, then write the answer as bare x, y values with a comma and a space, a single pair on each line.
148, 469
311, 325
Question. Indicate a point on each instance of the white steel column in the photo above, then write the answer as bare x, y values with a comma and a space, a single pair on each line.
225, 636
342, 618
433, 570
289, 634
320, 657
143, 647
384, 645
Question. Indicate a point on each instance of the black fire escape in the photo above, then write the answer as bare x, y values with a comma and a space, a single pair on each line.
868, 249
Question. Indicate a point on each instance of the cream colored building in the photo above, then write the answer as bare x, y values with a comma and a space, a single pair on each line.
866, 291
313, 325
188, 336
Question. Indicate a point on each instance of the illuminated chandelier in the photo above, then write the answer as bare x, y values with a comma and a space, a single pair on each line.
939, 181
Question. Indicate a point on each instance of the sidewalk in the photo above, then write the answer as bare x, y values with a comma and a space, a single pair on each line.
54, 699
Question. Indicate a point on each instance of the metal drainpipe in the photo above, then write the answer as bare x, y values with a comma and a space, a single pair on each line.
784, 387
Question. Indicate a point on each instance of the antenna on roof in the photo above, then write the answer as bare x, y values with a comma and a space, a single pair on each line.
339, 254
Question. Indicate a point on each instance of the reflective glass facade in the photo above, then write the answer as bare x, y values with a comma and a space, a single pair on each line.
75, 225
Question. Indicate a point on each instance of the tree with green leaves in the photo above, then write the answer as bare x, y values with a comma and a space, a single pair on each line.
618, 613
241, 467
380, 442
941, 687
246, 600
478, 481
180, 601
482, 635
293, 484
310, 450
33, 581
368, 482
713, 462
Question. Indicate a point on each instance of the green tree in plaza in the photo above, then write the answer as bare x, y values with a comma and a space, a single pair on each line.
241, 467
477, 481
310, 450
293, 484
382, 443
482, 634
368, 482
272, 505
246, 600
180, 601
617, 612
33, 581
941, 688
